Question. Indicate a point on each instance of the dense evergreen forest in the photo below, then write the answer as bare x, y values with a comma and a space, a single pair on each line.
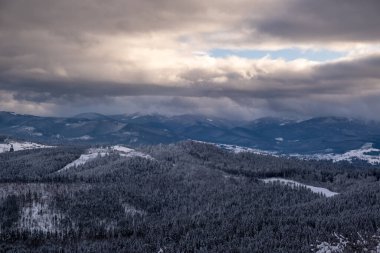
189, 197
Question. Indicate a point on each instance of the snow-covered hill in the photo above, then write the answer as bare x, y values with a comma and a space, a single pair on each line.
93, 153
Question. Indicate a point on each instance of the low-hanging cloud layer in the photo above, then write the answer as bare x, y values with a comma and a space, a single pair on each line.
153, 56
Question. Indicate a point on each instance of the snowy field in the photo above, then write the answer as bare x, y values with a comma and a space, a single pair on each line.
17, 146
94, 153
323, 191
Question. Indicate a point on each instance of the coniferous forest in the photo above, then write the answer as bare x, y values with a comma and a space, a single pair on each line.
187, 197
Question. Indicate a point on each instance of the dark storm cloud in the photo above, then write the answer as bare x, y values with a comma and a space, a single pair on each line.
72, 17
321, 20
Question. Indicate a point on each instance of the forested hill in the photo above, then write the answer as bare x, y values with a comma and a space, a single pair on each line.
184, 197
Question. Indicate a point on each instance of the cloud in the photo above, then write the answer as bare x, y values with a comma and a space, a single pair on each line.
271, 86
321, 21
71, 18
126, 56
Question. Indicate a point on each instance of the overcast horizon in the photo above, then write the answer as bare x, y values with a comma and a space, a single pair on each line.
238, 60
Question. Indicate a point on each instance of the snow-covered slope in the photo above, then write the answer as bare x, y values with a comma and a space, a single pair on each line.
366, 153
17, 146
325, 192
93, 153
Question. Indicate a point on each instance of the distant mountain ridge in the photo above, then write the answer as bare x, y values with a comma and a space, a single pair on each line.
315, 135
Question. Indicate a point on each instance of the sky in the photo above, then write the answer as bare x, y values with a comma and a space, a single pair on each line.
242, 59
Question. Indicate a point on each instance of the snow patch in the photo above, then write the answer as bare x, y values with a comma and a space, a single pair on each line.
323, 191
342, 244
130, 210
83, 138
325, 247
28, 129
75, 125
38, 216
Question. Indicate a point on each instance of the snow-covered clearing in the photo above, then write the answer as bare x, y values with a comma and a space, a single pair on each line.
323, 191
84, 158
94, 153
128, 152
17, 146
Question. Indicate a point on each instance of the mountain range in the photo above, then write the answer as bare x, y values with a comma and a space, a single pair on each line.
316, 135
